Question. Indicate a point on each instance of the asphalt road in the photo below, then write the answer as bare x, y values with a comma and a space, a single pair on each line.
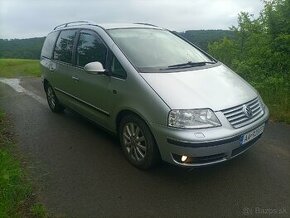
79, 170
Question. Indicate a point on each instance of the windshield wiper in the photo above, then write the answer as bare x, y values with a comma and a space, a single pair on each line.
190, 64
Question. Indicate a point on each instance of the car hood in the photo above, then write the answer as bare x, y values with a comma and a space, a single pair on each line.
215, 87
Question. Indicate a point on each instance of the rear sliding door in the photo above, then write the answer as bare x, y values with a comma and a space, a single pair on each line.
64, 83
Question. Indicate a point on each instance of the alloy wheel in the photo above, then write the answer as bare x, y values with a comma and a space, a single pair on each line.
51, 97
134, 141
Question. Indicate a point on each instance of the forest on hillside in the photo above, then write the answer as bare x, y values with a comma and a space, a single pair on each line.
21, 48
202, 38
30, 48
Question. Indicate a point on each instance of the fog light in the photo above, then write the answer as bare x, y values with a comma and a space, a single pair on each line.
183, 158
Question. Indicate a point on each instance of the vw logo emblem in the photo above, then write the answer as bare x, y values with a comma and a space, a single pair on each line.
247, 111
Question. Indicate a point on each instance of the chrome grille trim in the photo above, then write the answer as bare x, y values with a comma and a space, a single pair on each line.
254, 105
237, 118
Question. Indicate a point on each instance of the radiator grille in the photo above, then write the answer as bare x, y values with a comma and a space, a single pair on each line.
237, 116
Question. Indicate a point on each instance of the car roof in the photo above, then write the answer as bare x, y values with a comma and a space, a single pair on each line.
106, 26
126, 25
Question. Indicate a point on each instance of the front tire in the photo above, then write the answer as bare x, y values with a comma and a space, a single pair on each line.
52, 100
138, 143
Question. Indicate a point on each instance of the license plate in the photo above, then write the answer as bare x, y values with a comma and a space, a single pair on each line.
251, 135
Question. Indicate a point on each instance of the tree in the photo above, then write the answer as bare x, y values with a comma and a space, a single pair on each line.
261, 46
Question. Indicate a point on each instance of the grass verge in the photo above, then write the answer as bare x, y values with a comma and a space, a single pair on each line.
275, 91
19, 67
16, 194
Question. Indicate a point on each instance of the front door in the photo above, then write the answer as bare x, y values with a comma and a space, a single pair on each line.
92, 89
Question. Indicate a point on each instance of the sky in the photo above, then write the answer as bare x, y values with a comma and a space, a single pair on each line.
36, 18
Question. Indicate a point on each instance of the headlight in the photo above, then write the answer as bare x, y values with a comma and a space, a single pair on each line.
195, 118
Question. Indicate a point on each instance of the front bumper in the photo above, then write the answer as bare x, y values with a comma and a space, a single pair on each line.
204, 146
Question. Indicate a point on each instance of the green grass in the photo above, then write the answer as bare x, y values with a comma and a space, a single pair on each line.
275, 91
278, 102
38, 210
19, 68
16, 194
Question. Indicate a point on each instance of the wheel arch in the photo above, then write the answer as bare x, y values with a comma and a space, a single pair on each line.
126, 112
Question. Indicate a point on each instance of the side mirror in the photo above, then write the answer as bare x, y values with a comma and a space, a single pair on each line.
94, 68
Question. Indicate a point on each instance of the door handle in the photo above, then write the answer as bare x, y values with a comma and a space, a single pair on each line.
75, 78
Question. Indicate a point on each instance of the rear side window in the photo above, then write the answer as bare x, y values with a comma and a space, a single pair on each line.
64, 46
90, 48
48, 45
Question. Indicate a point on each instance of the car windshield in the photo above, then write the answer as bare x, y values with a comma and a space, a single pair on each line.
157, 50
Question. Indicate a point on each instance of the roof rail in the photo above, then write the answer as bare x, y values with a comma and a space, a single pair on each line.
148, 24
83, 22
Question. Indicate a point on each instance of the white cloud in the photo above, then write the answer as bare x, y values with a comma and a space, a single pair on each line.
30, 18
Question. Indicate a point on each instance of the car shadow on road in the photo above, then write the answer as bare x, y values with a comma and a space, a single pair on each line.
165, 170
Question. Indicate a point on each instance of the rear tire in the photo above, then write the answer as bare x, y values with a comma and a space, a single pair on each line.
52, 100
138, 143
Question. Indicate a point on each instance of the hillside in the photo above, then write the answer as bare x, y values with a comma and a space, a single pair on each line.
21, 48
201, 38
30, 48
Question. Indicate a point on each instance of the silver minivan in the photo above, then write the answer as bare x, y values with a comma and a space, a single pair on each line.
161, 95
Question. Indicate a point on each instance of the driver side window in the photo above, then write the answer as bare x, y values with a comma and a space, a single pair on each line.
90, 48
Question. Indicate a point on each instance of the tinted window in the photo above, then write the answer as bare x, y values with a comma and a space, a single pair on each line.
90, 48
64, 46
48, 45
117, 69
